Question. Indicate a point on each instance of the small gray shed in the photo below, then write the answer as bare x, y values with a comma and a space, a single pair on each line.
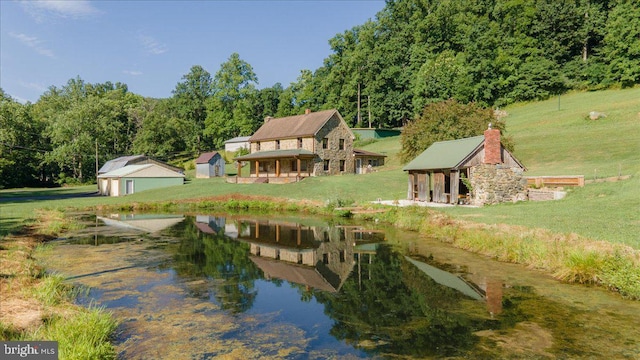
209, 164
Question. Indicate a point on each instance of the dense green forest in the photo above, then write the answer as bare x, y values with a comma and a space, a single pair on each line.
382, 73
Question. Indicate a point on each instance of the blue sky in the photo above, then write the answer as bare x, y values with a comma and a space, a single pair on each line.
150, 45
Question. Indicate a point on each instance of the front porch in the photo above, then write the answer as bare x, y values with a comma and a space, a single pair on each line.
276, 167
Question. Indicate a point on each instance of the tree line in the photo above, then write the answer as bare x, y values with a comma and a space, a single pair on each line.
383, 73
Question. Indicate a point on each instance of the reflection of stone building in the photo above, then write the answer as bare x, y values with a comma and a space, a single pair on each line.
317, 256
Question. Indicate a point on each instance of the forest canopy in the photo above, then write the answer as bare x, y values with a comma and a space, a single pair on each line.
415, 53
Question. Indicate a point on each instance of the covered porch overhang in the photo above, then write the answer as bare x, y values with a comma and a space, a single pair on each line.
438, 185
273, 164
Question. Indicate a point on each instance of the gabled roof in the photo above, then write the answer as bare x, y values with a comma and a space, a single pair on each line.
118, 163
294, 126
205, 157
147, 170
359, 152
274, 154
122, 161
293, 273
238, 139
446, 154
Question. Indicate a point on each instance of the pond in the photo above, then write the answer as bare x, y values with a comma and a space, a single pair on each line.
245, 286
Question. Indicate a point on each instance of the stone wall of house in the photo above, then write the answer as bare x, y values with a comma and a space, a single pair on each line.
334, 130
494, 184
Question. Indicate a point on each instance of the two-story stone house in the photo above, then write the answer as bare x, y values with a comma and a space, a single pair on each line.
290, 148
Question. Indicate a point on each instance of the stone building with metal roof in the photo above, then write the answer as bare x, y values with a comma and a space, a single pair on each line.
291, 148
476, 170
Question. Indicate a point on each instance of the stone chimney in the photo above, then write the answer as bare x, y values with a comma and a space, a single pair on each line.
307, 111
492, 149
267, 119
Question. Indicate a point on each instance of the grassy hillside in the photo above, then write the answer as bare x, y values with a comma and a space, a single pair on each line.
564, 141
549, 142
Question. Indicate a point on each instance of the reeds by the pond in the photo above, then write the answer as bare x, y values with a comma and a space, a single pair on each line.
46, 300
568, 257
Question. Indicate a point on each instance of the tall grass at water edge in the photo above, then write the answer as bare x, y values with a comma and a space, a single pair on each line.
568, 257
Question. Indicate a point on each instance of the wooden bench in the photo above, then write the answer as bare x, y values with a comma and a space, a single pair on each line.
555, 181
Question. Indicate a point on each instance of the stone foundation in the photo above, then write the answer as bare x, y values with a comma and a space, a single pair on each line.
493, 184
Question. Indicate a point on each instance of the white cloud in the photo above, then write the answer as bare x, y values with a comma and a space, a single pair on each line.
151, 45
34, 43
132, 72
78, 9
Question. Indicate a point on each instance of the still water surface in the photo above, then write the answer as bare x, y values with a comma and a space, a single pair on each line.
230, 286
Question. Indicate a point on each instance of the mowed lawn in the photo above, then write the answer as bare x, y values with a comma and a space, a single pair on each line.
549, 141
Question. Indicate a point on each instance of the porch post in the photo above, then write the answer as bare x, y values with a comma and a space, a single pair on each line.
277, 167
239, 174
454, 184
298, 167
257, 168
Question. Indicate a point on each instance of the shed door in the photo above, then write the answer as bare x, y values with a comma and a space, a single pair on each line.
129, 187
115, 187
438, 188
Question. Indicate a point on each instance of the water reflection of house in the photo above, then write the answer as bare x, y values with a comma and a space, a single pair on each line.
448, 279
320, 257
150, 223
210, 224
483, 288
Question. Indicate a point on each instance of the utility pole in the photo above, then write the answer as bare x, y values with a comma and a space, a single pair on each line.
369, 108
359, 118
97, 164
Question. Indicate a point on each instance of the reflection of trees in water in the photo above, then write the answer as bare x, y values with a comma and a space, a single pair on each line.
399, 309
221, 259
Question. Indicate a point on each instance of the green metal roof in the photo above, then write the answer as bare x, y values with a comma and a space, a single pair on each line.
445, 154
275, 154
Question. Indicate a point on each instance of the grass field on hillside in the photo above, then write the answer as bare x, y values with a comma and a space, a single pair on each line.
552, 141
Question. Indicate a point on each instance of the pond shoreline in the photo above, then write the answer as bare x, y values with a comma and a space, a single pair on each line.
568, 258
